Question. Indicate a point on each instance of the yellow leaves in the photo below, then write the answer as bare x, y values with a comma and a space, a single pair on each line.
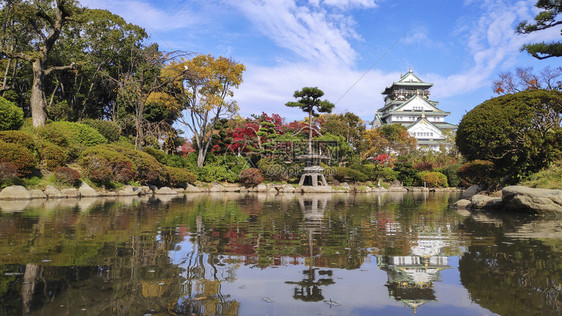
164, 99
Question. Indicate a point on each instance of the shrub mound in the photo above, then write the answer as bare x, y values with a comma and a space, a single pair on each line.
20, 138
179, 177
434, 179
67, 176
8, 172
52, 156
104, 165
22, 159
74, 136
110, 130
11, 116
251, 177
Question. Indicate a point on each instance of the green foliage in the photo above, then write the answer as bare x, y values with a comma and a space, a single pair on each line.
477, 172
450, 172
19, 156
222, 168
273, 170
433, 179
545, 19
179, 177
51, 155
251, 177
346, 174
11, 116
18, 137
108, 129
149, 171
519, 133
548, 178
67, 176
74, 137
156, 153
407, 174
103, 165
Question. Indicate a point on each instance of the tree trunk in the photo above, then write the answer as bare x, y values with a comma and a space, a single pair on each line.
200, 157
37, 102
310, 132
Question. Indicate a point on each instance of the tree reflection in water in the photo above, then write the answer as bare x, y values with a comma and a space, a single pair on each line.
308, 290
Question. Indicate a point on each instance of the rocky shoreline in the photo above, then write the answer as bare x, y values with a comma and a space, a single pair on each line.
513, 199
17, 192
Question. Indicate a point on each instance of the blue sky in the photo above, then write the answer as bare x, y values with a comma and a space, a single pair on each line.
350, 49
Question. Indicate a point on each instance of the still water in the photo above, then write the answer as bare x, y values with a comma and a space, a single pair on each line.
237, 254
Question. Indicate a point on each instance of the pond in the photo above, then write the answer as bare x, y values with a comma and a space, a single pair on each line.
254, 254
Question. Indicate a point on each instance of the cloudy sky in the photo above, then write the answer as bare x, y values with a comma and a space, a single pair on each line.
350, 49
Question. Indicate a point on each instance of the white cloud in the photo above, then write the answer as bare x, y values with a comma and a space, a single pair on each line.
493, 44
268, 89
312, 32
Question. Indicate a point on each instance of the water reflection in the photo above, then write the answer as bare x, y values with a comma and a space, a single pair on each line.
236, 254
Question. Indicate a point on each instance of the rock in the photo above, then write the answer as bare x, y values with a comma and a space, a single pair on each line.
165, 191
542, 201
287, 188
217, 188
462, 204
261, 188
52, 192
87, 191
232, 188
480, 201
397, 189
15, 192
395, 184
129, 190
472, 190
316, 189
145, 189
37, 194
70, 193
272, 190
192, 188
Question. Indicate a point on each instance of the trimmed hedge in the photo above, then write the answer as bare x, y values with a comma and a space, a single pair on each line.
477, 172
149, 171
179, 178
109, 129
19, 156
433, 179
104, 165
52, 156
73, 136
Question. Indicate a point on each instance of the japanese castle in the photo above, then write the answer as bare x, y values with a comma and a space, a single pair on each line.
407, 102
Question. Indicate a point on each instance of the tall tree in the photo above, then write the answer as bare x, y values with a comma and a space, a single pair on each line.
308, 100
347, 125
526, 79
547, 18
204, 89
43, 21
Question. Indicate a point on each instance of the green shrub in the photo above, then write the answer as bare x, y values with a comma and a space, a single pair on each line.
272, 170
19, 156
519, 133
346, 174
73, 137
109, 129
102, 165
450, 172
251, 177
20, 138
11, 116
434, 179
156, 153
477, 172
51, 155
67, 176
407, 174
179, 178
148, 170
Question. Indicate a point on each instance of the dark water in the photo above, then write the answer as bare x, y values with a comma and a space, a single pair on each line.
231, 254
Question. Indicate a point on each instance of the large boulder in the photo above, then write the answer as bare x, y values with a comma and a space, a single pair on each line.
480, 201
37, 194
70, 193
165, 191
15, 192
51, 192
542, 201
87, 191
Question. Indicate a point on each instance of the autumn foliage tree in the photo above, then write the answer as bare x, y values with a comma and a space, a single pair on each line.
204, 88
525, 79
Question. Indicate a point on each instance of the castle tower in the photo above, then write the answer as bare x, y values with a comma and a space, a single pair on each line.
407, 102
